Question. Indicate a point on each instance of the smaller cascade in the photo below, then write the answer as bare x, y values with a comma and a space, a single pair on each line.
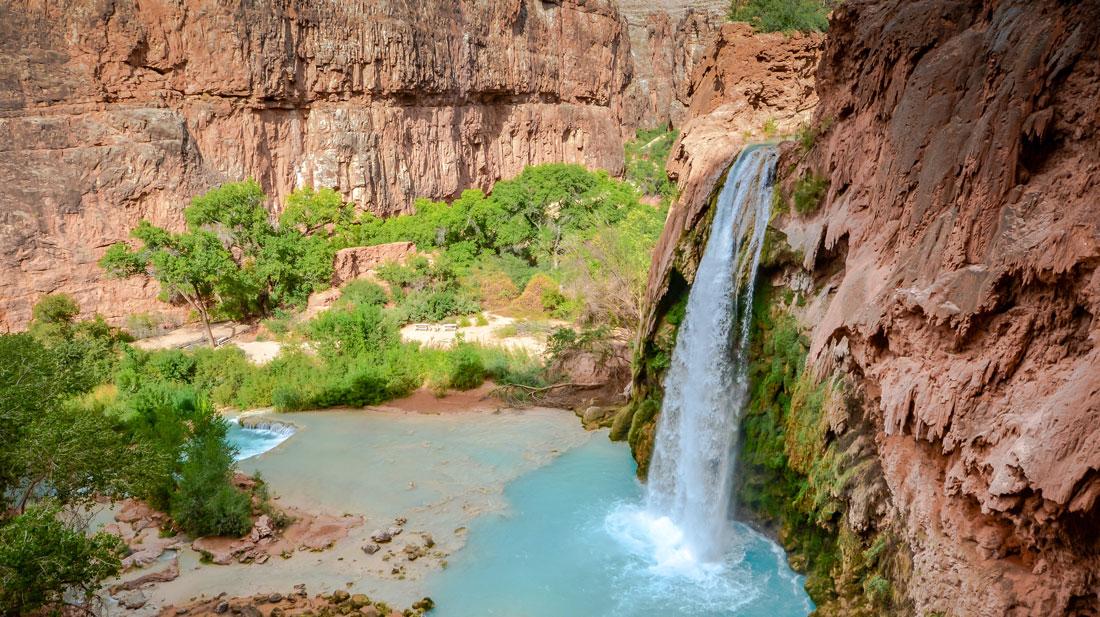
252, 436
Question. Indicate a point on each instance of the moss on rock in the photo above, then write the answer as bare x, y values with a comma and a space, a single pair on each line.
797, 474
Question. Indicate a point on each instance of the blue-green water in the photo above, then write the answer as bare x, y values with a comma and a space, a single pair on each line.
576, 542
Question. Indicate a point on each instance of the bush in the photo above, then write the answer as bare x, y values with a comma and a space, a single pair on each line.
434, 306
808, 193
530, 302
143, 325
465, 369
354, 331
364, 292
646, 156
55, 309
43, 560
782, 15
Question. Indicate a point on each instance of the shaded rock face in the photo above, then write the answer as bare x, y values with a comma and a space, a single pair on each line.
117, 110
668, 38
952, 267
963, 216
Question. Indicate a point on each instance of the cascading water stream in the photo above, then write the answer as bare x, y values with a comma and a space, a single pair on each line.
685, 523
691, 474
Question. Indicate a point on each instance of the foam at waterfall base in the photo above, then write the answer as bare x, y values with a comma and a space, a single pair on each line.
666, 565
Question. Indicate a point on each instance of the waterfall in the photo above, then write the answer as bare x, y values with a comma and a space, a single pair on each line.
692, 471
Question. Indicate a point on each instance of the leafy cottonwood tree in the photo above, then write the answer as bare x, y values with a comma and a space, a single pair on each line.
232, 260
192, 266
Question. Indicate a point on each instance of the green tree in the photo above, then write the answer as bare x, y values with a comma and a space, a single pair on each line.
646, 157
206, 503
192, 266
314, 211
609, 269
44, 561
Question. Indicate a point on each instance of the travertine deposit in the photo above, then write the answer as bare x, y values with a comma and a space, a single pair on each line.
953, 266
115, 110
746, 87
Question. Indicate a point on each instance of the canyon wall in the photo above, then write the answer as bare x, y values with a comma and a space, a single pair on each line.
939, 242
117, 110
667, 39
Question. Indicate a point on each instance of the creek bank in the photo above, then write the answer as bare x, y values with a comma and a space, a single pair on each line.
295, 602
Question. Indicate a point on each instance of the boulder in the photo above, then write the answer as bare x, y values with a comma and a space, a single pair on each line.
359, 600
263, 528
131, 598
381, 536
371, 548
355, 262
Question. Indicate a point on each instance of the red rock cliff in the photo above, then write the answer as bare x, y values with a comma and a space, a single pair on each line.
114, 110
964, 203
954, 281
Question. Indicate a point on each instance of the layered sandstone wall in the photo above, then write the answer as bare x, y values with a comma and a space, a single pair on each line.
115, 110
668, 38
951, 281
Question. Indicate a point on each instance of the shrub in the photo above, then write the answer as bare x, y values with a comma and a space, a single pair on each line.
364, 292
808, 193
530, 302
465, 370
205, 503
171, 365
495, 287
434, 306
782, 15
55, 309
352, 332
143, 325
646, 156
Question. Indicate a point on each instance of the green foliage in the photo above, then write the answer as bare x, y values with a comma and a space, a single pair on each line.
793, 473
363, 292
43, 441
566, 340
465, 369
257, 267
782, 15
205, 503
44, 561
526, 217
770, 128
352, 332
646, 156
808, 193
312, 211
55, 309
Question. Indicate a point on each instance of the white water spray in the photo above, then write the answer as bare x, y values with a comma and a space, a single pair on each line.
691, 475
